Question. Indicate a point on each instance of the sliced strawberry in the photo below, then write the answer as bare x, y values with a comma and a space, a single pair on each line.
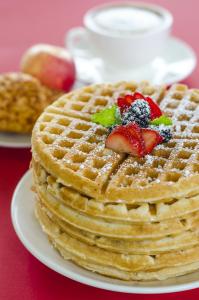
126, 139
129, 99
151, 139
137, 96
124, 103
155, 110
120, 142
135, 131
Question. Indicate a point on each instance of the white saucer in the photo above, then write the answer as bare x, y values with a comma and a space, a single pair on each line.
175, 64
14, 140
31, 235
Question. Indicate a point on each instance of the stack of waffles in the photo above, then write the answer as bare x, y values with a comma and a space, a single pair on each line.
114, 214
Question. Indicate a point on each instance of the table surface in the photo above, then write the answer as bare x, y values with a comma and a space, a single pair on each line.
23, 23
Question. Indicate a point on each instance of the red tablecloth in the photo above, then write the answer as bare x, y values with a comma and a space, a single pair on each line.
23, 23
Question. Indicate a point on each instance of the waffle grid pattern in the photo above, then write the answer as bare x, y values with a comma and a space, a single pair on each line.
78, 144
138, 212
125, 217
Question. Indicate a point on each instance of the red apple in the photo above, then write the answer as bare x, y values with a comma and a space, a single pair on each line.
52, 65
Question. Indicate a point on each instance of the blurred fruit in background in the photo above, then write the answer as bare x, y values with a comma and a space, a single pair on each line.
52, 65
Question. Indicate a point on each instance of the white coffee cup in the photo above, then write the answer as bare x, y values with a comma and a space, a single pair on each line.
125, 35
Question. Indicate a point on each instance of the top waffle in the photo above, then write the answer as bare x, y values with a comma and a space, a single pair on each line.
72, 148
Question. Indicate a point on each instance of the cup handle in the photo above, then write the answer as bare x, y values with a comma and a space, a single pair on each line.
77, 41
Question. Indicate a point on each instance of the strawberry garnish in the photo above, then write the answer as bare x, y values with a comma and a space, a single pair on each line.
133, 140
136, 113
135, 131
151, 139
137, 95
126, 139
125, 102
155, 110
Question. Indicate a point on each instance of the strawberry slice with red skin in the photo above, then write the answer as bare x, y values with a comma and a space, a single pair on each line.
155, 110
135, 131
126, 139
137, 96
151, 139
125, 102
129, 99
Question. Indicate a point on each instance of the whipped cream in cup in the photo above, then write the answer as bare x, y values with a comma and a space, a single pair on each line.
124, 34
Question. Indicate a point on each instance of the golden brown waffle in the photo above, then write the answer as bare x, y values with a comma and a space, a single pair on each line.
22, 99
170, 243
73, 150
80, 104
161, 274
122, 262
121, 216
115, 229
147, 212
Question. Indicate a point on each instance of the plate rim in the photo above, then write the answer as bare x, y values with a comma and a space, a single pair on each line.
193, 56
11, 144
76, 276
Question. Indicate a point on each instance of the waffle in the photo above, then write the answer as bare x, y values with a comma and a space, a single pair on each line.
128, 263
139, 212
72, 149
117, 229
151, 246
114, 214
22, 99
161, 274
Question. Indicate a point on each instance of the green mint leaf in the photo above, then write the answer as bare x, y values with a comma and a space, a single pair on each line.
162, 120
107, 117
118, 119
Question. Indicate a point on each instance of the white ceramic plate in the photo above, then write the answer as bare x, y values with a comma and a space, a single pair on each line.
175, 64
31, 235
14, 140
